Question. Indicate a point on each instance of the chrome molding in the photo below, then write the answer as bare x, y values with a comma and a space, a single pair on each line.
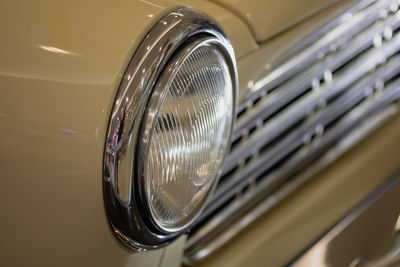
128, 217
367, 236
339, 79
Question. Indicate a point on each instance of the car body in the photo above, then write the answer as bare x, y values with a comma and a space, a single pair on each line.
61, 66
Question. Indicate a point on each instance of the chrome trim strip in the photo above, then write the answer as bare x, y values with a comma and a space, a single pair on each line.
127, 217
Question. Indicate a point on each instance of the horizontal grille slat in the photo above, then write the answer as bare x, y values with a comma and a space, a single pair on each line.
293, 141
320, 47
296, 139
300, 84
235, 209
298, 112
306, 105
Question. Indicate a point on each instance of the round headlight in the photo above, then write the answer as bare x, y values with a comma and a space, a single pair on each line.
169, 130
186, 133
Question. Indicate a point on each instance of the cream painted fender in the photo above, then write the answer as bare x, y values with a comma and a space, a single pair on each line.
267, 18
61, 64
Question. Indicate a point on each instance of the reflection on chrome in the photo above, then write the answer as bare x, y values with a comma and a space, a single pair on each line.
133, 118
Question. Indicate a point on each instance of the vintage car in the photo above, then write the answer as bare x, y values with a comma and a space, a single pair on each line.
200, 133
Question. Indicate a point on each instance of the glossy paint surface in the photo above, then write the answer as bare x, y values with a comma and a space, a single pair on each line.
61, 64
266, 18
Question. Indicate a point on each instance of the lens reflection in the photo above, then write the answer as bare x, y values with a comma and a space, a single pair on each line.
190, 137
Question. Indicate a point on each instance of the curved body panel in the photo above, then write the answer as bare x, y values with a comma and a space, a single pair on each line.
268, 18
62, 63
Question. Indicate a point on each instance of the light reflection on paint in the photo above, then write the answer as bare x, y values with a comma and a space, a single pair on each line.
151, 3
68, 130
57, 50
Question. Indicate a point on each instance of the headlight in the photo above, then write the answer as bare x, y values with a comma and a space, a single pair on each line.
186, 132
169, 129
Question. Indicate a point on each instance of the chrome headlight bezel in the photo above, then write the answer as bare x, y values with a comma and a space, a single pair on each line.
127, 209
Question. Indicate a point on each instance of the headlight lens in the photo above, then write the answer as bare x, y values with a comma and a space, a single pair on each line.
188, 127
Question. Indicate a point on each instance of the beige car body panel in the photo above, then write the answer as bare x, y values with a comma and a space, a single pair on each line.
270, 17
61, 64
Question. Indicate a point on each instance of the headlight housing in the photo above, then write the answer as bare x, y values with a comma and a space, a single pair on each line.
185, 133
169, 129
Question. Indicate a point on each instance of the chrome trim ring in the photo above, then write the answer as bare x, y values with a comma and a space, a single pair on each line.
125, 208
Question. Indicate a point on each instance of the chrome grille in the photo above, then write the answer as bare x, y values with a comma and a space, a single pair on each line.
337, 79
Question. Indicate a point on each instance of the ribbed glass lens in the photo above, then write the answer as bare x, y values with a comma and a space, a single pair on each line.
190, 138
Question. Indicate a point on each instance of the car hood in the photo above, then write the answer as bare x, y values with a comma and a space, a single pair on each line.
266, 18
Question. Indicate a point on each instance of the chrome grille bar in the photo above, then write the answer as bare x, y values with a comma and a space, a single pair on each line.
299, 85
309, 106
294, 114
351, 26
207, 240
296, 138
